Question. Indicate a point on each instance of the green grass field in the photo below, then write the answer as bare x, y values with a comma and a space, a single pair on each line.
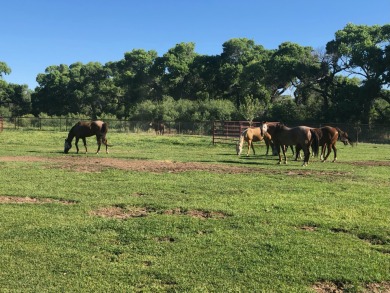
179, 214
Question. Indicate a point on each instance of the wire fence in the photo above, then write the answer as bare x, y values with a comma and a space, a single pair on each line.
229, 131
220, 131
65, 124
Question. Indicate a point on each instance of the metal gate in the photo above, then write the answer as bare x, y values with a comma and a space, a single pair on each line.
229, 131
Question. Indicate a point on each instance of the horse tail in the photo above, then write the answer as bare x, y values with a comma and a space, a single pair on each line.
315, 145
104, 128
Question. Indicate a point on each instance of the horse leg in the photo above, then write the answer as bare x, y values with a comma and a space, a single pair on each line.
99, 143
335, 152
249, 147
328, 147
298, 149
253, 148
277, 147
306, 152
77, 145
85, 144
292, 149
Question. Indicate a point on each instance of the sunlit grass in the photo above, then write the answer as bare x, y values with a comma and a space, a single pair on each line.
285, 227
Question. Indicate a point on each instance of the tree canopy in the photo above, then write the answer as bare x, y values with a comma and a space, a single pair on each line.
348, 81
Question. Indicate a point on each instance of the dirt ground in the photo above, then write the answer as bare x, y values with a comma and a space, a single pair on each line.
82, 163
96, 164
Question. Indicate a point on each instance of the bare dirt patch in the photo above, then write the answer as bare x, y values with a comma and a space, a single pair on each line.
123, 213
84, 163
338, 287
120, 213
196, 213
370, 163
33, 200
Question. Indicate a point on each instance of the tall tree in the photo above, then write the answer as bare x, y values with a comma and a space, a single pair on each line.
133, 75
51, 95
362, 51
237, 53
175, 69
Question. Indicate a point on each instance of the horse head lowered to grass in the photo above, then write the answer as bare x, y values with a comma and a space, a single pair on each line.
86, 129
251, 135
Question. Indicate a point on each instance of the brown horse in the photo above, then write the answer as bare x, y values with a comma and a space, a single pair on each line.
302, 136
328, 137
343, 136
270, 126
159, 127
251, 135
86, 129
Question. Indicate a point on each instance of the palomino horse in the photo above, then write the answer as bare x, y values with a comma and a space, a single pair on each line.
251, 135
303, 136
87, 129
159, 127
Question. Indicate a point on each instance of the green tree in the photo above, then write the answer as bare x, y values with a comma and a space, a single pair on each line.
362, 51
134, 77
174, 68
237, 53
51, 95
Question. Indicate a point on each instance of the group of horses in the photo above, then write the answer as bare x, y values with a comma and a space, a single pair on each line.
99, 128
279, 137
275, 135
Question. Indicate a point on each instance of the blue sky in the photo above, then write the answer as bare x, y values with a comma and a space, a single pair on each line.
40, 33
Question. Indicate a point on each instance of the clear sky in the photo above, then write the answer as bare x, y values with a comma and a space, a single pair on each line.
36, 34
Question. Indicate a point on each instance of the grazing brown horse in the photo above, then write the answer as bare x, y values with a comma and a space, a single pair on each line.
343, 136
159, 127
303, 136
251, 135
86, 129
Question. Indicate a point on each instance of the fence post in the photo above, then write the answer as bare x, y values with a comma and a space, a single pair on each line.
213, 132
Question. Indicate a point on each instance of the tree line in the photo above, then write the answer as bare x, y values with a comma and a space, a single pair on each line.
347, 81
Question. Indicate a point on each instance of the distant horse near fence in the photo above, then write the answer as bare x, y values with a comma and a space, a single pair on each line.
86, 129
158, 127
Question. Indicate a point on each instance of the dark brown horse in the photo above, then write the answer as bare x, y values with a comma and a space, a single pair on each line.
159, 127
86, 129
251, 135
302, 136
271, 125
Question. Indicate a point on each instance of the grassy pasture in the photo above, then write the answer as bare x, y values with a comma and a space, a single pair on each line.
178, 214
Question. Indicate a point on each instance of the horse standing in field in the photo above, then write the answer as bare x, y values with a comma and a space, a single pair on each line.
302, 136
270, 127
158, 127
251, 135
86, 129
328, 137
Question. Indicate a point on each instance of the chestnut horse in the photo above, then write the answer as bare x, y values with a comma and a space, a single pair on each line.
328, 136
159, 127
251, 135
86, 129
343, 136
302, 136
